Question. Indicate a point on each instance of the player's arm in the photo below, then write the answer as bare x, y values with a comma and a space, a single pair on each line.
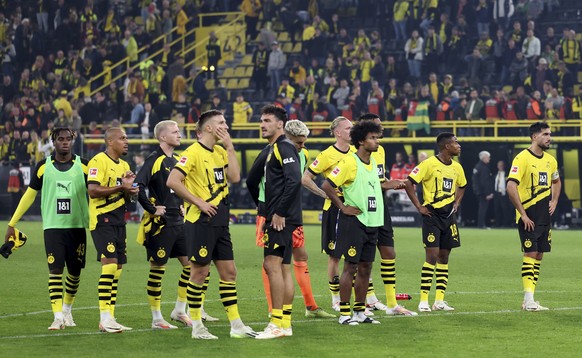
292, 176
176, 183
330, 190
556, 188
459, 193
513, 194
393, 184
309, 184
96, 190
409, 188
233, 168
256, 173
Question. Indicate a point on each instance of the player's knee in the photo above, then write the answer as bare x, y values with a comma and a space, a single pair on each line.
56, 271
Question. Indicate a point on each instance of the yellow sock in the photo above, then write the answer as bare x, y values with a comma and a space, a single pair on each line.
388, 273
71, 287
183, 284
114, 291
277, 317
105, 282
55, 287
228, 297
537, 265
527, 274
286, 321
154, 287
442, 279
426, 280
194, 300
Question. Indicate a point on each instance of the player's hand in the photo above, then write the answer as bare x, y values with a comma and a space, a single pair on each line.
553, 205
528, 224
224, 136
423, 210
9, 232
182, 212
350, 210
278, 222
127, 180
208, 209
393, 184
160, 210
489, 197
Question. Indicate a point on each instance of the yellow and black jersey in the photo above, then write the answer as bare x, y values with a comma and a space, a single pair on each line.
325, 162
205, 177
283, 182
153, 176
105, 171
37, 175
534, 176
439, 181
380, 159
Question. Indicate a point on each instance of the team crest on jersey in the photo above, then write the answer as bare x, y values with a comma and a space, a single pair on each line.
514, 169
414, 171
335, 171
183, 160
93, 172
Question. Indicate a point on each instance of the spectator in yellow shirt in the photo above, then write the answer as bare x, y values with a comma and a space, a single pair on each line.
181, 21
242, 110
64, 104
297, 72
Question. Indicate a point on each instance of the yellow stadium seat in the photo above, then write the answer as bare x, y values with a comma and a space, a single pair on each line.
244, 83
287, 47
579, 36
210, 85
283, 37
577, 89
507, 88
297, 48
239, 72
232, 83
579, 76
247, 60
138, 20
249, 72
228, 72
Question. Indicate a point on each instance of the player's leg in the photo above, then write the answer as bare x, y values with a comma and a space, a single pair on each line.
346, 279
259, 233
431, 241
75, 260
179, 313
55, 249
534, 244
328, 245
120, 236
449, 240
365, 254
388, 273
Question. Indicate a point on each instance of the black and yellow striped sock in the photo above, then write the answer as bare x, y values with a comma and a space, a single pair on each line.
537, 265
442, 279
388, 273
71, 288
334, 287
105, 283
228, 297
114, 291
205, 287
194, 294
370, 292
55, 288
527, 274
426, 275
277, 317
359, 307
154, 287
345, 309
286, 319
183, 284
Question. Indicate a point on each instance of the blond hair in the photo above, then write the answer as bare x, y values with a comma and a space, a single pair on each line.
296, 128
162, 126
335, 123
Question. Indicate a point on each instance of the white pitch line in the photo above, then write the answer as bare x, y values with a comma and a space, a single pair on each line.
423, 315
262, 298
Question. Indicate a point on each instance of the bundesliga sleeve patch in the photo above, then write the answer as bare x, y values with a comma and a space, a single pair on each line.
335, 171
315, 162
93, 172
514, 169
183, 160
414, 171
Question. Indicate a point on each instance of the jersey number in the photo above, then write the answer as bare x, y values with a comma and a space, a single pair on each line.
63, 206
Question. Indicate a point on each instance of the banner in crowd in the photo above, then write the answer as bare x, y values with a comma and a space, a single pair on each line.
232, 40
418, 116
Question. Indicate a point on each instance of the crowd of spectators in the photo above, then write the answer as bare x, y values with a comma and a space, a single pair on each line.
463, 59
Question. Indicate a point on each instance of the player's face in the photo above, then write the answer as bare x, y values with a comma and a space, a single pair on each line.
119, 143
217, 122
63, 143
172, 136
270, 125
343, 130
454, 147
298, 140
543, 139
371, 142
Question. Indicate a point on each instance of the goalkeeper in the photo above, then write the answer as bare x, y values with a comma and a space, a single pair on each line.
62, 180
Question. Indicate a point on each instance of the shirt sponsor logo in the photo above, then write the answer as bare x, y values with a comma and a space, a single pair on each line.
335, 171
93, 172
183, 160
514, 169
288, 160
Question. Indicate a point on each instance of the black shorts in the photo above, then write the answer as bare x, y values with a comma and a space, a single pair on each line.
205, 243
538, 240
110, 242
169, 243
65, 246
329, 229
355, 242
386, 232
440, 230
279, 243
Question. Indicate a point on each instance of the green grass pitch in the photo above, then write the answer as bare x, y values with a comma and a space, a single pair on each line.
484, 287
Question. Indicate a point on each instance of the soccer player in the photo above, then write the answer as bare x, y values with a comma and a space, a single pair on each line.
110, 187
443, 186
533, 187
361, 214
323, 164
201, 178
61, 178
296, 132
283, 219
164, 222
385, 238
